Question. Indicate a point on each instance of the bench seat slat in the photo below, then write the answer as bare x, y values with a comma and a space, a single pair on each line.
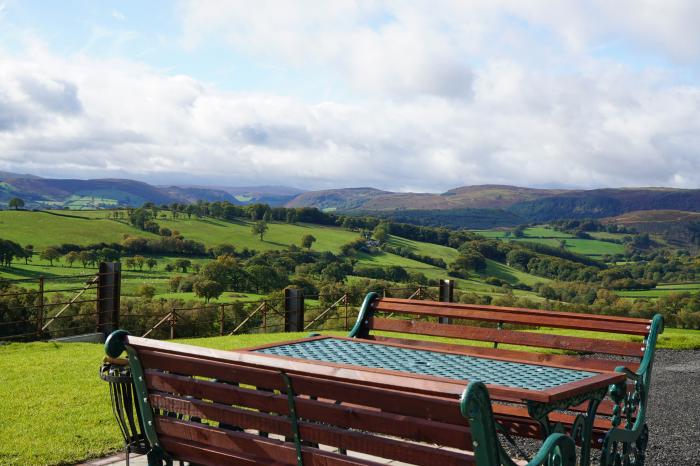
322, 434
347, 416
514, 337
226, 447
435, 310
521, 310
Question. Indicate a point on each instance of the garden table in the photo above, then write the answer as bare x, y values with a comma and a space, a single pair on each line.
543, 386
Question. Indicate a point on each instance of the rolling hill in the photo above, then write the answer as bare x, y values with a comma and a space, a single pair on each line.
102, 193
375, 200
679, 228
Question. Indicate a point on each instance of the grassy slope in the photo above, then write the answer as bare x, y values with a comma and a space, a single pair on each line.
53, 229
42, 229
280, 235
551, 237
63, 414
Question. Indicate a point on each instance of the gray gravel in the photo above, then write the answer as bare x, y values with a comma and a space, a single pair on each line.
674, 409
674, 412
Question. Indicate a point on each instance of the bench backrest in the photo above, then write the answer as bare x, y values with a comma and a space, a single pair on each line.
398, 315
259, 415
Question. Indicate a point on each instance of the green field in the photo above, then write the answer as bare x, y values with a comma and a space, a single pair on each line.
44, 229
550, 237
63, 415
661, 290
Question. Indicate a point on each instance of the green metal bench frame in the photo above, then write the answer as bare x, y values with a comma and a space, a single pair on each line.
475, 406
626, 442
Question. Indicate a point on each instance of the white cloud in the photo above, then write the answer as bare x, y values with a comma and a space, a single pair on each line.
118, 15
502, 92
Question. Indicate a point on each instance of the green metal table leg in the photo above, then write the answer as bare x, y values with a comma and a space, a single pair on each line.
582, 427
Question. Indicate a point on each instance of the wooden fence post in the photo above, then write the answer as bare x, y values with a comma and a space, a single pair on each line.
447, 288
173, 322
293, 310
40, 314
108, 297
345, 302
221, 321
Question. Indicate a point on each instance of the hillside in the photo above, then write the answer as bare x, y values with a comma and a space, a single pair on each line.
680, 228
375, 200
599, 203
43, 229
272, 195
105, 193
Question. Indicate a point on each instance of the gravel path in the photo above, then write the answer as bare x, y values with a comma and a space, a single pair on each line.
673, 416
674, 409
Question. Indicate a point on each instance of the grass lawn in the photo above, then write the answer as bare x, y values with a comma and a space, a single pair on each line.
280, 235
41, 229
55, 409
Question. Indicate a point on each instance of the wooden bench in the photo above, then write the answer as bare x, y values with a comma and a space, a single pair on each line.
213, 407
624, 421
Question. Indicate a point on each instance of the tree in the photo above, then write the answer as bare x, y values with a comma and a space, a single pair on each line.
71, 257
9, 250
146, 291
130, 263
50, 254
16, 203
260, 228
182, 264
109, 254
307, 241
207, 289
151, 263
28, 253
87, 258
139, 261
381, 233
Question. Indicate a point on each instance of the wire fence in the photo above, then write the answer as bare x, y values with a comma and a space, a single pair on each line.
51, 307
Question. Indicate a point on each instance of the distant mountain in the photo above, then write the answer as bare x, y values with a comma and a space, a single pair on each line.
599, 203
482, 206
467, 197
272, 195
4, 175
679, 228
102, 193
337, 199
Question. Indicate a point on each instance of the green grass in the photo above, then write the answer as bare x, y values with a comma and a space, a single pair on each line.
42, 229
55, 409
552, 238
280, 235
544, 232
510, 274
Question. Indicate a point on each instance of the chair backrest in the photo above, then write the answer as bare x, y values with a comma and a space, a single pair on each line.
209, 409
400, 315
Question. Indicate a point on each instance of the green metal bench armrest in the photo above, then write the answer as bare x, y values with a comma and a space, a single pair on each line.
115, 345
360, 329
475, 405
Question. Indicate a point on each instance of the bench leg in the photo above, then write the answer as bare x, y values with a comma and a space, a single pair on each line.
581, 430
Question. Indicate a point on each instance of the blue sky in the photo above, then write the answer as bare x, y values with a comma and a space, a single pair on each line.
397, 95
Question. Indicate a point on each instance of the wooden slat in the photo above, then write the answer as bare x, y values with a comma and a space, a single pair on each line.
527, 311
513, 337
347, 416
443, 409
317, 433
435, 310
237, 444
558, 360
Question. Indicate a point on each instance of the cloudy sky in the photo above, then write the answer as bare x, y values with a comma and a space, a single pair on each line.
401, 95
